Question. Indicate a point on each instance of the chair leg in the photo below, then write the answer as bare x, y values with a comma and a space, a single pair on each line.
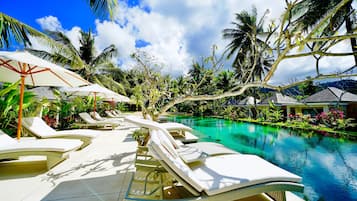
54, 159
277, 195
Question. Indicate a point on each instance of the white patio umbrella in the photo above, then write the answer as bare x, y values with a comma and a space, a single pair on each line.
96, 90
34, 71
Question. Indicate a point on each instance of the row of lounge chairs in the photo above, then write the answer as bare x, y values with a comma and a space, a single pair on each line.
55, 145
203, 171
94, 120
56, 150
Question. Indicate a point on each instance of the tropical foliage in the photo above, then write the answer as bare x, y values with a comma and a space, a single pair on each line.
94, 68
9, 106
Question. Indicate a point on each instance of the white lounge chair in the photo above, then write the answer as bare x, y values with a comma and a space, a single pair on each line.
56, 150
224, 177
113, 114
177, 130
189, 152
92, 123
35, 126
97, 117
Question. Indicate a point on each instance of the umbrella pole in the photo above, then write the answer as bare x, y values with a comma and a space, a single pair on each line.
22, 88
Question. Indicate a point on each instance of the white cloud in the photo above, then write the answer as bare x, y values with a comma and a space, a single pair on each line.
74, 35
50, 23
108, 33
179, 31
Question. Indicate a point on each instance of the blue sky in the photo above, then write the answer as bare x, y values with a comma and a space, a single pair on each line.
72, 13
176, 32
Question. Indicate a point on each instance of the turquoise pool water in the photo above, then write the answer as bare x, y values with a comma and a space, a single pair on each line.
327, 165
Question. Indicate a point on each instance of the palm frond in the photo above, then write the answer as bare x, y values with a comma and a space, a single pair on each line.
103, 7
55, 57
11, 27
105, 55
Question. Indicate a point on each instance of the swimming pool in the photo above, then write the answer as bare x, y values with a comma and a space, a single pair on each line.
327, 165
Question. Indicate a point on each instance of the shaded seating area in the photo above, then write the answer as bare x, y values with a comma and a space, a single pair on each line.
56, 150
35, 126
223, 177
89, 122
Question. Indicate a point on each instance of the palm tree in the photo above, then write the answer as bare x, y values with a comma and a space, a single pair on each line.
92, 67
252, 54
252, 58
225, 80
309, 12
11, 28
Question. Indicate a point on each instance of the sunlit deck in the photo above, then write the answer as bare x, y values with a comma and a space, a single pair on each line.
101, 171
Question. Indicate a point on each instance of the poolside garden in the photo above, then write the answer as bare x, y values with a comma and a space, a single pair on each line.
232, 84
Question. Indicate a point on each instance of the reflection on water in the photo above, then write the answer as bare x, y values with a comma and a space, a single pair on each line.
328, 166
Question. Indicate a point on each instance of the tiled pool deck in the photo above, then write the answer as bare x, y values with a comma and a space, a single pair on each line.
101, 171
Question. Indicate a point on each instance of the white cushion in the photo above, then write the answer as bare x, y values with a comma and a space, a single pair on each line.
6, 140
37, 126
227, 172
191, 154
175, 126
175, 163
56, 145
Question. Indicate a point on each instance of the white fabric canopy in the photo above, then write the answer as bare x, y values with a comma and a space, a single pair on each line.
97, 90
32, 70
37, 72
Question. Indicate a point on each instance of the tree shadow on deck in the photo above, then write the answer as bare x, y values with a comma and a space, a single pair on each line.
109, 188
123, 160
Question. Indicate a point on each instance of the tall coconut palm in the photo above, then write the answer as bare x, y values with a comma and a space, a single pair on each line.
225, 80
251, 53
85, 61
11, 28
308, 13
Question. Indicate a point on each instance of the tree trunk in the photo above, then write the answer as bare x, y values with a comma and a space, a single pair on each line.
349, 30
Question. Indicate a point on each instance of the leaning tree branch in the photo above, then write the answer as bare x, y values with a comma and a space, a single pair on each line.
321, 53
302, 42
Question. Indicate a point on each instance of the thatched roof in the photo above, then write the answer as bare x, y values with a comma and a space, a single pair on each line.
331, 94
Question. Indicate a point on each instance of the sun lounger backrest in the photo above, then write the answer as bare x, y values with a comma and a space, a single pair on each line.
96, 116
159, 149
109, 114
6, 140
87, 118
38, 127
154, 126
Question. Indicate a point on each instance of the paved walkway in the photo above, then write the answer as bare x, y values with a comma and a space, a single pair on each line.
101, 171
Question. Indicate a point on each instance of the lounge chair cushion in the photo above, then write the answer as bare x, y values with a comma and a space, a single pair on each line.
224, 173
175, 126
36, 123
6, 140
39, 128
55, 145
211, 148
175, 163
191, 154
